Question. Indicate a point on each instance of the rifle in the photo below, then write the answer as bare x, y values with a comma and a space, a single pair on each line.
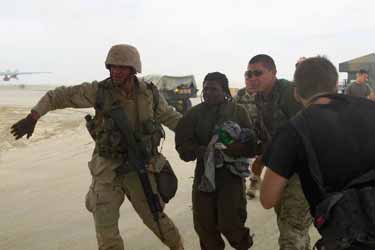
138, 158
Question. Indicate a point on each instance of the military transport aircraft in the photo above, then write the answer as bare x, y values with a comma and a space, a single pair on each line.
8, 75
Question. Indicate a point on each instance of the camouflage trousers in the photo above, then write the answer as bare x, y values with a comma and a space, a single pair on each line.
107, 193
293, 217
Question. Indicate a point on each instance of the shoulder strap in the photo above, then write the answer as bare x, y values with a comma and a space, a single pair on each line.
155, 94
100, 101
299, 122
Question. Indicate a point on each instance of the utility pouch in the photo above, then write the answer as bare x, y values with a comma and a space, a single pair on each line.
153, 134
166, 182
109, 141
90, 126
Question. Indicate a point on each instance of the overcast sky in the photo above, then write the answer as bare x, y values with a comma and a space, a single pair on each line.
71, 38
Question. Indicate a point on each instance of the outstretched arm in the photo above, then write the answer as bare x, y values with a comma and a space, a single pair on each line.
79, 96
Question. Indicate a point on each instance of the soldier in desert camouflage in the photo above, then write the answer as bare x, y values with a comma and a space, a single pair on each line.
109, 185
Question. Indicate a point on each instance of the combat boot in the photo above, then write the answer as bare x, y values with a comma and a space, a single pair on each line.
253, 187
178, 247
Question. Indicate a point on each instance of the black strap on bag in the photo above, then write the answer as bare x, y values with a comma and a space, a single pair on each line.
300, 124
346, 218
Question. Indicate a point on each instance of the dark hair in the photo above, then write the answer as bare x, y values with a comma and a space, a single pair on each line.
315, 75
301, 59
363, 71
221, 79
264, 59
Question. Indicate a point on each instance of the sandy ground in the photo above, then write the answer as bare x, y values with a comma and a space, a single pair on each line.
44, 181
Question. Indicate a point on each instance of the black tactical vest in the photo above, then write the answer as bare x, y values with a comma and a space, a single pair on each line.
109, 142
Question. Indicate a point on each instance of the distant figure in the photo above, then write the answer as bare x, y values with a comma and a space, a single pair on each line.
329, 145
220, 207
360, 88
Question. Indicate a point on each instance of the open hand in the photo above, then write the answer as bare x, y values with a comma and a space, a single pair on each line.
24, 127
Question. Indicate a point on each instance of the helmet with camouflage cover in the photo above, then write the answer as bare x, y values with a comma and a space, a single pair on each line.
124, 55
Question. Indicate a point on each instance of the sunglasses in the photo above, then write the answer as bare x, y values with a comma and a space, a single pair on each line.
251, 73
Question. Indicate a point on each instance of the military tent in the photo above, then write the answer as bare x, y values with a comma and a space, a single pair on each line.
366, 62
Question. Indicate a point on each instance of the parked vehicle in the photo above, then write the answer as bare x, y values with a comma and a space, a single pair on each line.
177, 90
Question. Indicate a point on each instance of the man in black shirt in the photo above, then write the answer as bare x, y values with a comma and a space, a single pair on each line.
330, 146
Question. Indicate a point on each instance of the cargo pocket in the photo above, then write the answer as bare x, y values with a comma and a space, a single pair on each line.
90, 200
102, 169
102, 194
95, 166
107, 205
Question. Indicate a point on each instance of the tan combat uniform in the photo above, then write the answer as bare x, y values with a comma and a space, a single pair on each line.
108, 189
